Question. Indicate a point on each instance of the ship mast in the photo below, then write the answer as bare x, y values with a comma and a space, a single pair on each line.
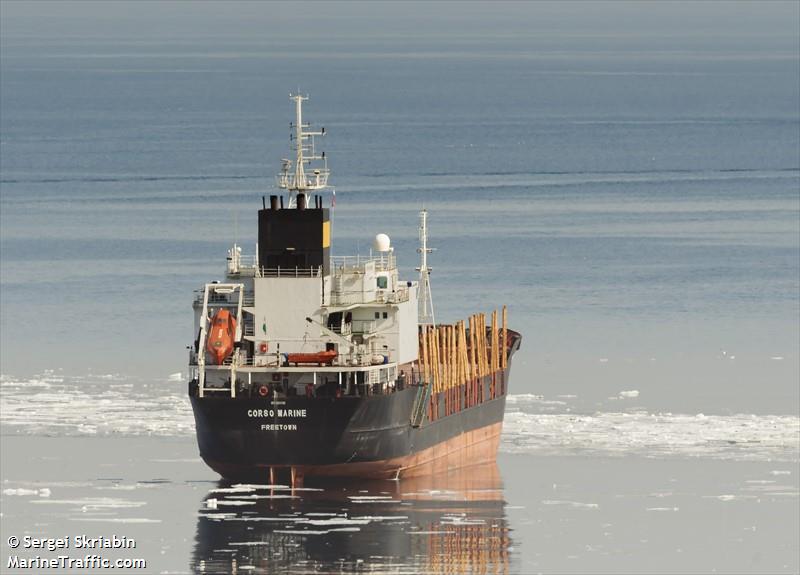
425, 311
293, 176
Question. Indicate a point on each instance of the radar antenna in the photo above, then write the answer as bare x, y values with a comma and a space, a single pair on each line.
425, 311
299, 176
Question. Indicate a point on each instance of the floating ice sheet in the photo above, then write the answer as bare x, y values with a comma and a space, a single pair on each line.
575, 504
94, 405
234, 489
93, 503
115, 519
736, 437
43, 492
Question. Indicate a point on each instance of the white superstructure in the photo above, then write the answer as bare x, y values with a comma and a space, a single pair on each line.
294, 303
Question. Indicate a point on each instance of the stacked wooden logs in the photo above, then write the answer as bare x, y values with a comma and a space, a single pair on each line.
460, 360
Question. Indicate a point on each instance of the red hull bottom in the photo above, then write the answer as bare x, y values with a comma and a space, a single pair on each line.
469, 448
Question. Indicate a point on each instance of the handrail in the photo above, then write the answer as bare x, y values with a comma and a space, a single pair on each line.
248, 265
397, 296
351, 263
313, 272
400, 295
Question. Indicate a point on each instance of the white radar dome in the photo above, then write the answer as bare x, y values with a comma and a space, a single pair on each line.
382, 243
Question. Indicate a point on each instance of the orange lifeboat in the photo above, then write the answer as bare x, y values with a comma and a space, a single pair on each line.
319, 358
221, 335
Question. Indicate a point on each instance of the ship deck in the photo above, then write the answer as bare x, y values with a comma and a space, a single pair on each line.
301, 368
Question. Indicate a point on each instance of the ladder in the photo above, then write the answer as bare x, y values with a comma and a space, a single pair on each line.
249, 326
374, 376
420, 403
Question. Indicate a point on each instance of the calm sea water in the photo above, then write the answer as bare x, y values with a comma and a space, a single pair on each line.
634, 202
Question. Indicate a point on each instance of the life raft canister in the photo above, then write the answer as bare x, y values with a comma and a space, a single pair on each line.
263, 347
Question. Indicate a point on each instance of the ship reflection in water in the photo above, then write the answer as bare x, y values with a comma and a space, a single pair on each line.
446, 522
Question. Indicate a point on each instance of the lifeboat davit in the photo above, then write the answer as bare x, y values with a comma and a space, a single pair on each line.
221, 336
318, 358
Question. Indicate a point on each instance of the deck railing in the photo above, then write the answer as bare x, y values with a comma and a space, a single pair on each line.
342, 264
399, 295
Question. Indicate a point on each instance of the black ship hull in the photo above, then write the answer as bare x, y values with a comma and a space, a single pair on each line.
246, 438
371, 436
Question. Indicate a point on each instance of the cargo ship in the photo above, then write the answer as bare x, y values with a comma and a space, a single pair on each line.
310, 364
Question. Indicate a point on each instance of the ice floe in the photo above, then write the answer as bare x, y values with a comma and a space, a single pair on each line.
737, 437
729, 497
232, 503
218, 516
44, 492
116, 519
106, 404
93, 503
234, 489
574, 504
528, 400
